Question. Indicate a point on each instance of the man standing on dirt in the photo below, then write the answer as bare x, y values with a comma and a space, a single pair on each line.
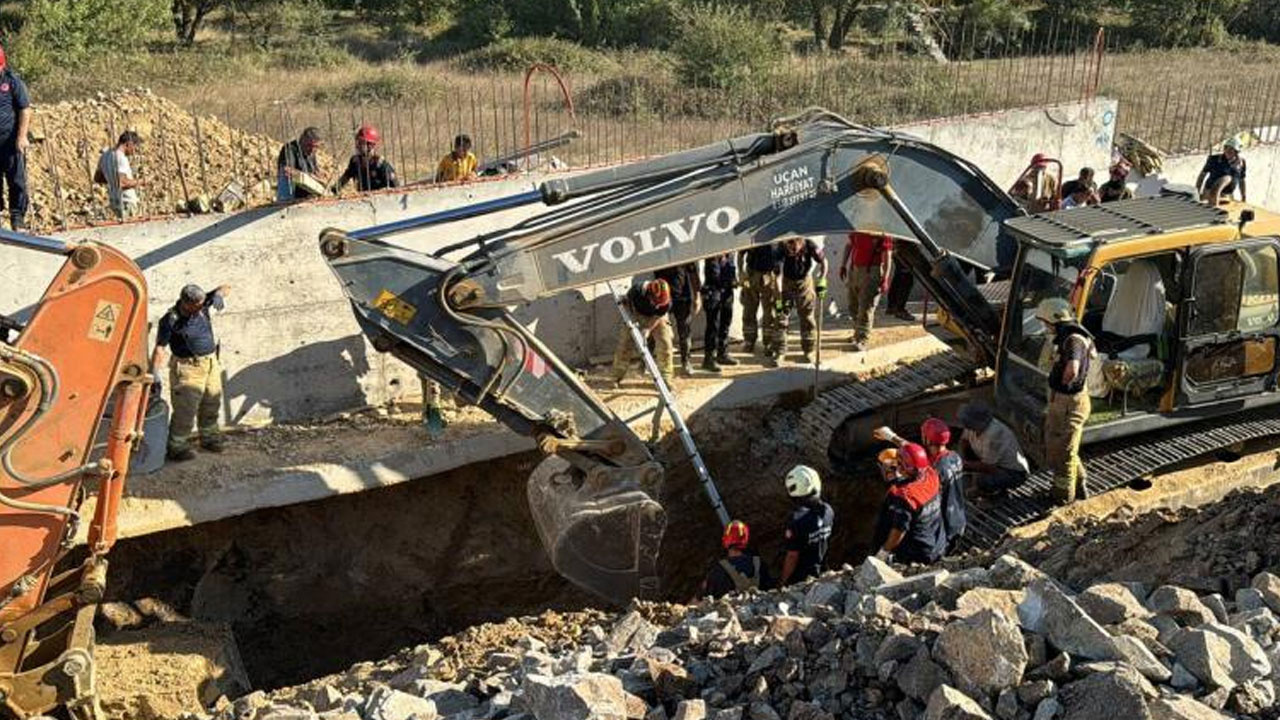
1069, 403
15, 121
686, 299
799, 290
762, 265
195, 375
1223, 174
648, 302
865, 269
808, 532
116, 172
459, 164
370, 170
719, 277
738, 571
297, 157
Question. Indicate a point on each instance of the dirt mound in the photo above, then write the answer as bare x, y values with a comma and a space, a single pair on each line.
1212, 549
70, 137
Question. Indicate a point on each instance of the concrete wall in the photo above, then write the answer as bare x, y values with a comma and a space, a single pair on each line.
290, 345
1262, 181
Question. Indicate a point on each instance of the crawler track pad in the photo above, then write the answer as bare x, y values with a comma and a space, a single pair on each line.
602, 537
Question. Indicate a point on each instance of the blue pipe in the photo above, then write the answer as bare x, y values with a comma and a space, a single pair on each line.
34, 242
466, 211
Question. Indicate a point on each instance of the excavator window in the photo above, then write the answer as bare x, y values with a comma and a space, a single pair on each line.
1230, 326
1043, 275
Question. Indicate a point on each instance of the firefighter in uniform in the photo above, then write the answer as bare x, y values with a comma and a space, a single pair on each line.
935, 435
648, 302
738, 571
808, 532
720, 275
195, 375
686, 298
763, 263
800, 291
910, 528
1069, 404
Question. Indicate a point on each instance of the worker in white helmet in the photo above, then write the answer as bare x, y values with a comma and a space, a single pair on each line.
1069, 404
808, 532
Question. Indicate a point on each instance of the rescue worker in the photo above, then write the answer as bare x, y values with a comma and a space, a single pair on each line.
1069, 404
370, 170
762, 265
738, 571
1116, 188
998, 463
802, 259
195, 375
808, 532
15, 123
865, 269
1083, 180
1035, 189
935, 435
648, 302
297, 156
459, 164
719, 278
909, 528
686, 301
1223, 174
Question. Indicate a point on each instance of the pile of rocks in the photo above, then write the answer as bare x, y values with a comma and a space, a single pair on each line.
1005, 641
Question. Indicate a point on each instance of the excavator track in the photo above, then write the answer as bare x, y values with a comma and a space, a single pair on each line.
1113, 465
824, 419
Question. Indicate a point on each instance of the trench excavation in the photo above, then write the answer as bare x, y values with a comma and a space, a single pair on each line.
312, 588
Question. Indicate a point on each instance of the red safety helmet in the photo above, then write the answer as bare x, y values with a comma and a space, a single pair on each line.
369, 134
1039, 159
736, 536
935, 432
4, 62
658, 292
913, 458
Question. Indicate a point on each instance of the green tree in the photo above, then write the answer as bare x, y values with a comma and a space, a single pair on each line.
68, 32
1259, 19
189, 17
725, 48
831, 21
1166, 23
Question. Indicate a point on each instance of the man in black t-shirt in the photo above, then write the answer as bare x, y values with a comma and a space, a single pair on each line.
1222, 174
648, 302
370, 170
738, 571
686, 289
761, 266
809, 526
185, 336
800, 290
15, 120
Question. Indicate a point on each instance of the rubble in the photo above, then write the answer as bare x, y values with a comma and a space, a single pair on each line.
867, 642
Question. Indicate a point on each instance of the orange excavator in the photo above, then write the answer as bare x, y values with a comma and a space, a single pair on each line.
80, 355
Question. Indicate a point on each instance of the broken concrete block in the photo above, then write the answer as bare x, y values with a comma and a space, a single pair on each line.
1268, 586
576, 696
1181, 707
388, 704
1121, 693
976, 600
922, 584
873, 573
1111, 604
632, 633
948, 703
1009, 572
1220, 656
984, 652
920, 676
1048, 611
690, 710
1181, 605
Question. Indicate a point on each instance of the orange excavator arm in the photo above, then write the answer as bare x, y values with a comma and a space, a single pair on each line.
81, 355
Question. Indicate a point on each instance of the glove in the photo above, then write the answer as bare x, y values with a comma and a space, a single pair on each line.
883, 433
779, 305
884, 555
884, 285
821, 286
745, 282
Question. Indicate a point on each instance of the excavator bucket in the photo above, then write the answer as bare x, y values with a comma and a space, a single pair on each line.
604, 537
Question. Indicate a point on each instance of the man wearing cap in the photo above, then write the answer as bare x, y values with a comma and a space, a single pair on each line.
1222, 174
296, 158
116, 172
1116, 188
370, 170
998, 463
15, 121
1036, 190
195, 375
648, 302
738, 571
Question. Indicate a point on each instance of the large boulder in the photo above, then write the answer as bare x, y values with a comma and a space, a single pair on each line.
873, 573
1010, 572
948, 703
1220, 656
1181, 605
1119, 693
577, 696
976, 600
387, 704
920, 676
1181, 707
1111, 604
1268, 586
632, 633
984, 652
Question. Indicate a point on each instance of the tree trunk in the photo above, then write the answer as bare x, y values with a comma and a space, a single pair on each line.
842, 23
816, 8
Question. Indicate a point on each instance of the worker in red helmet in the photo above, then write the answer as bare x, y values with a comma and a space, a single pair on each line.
370, 170
935, 436
909, 528
1036, 189
15, 121
739, 570
648, 302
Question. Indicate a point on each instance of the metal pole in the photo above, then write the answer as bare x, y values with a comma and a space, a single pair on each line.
667, 399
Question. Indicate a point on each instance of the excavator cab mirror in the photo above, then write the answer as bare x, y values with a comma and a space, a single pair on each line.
1246, 217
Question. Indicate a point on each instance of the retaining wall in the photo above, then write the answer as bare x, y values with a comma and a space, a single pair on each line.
290, 346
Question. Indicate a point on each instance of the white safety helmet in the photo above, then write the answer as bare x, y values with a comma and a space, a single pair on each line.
1055, 310
1233, 143
803, 481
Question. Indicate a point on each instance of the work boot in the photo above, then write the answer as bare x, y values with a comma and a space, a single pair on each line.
858, 346
213, 445
903, 314
709, 364
182, 455
749, 346
771, 360
433, 420
724, 359
808, 357
685, 369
